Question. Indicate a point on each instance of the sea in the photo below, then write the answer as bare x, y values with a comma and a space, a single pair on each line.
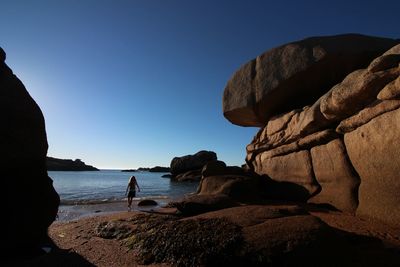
110, 185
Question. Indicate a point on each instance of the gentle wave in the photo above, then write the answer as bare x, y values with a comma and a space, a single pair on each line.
107, 186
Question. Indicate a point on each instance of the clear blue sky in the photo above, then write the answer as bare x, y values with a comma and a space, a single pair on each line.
126, 84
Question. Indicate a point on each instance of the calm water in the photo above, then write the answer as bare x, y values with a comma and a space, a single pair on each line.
110, 185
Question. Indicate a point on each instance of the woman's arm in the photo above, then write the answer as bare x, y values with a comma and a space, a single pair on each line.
127, 188
137, 185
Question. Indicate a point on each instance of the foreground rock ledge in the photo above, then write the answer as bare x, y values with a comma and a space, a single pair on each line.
256, 235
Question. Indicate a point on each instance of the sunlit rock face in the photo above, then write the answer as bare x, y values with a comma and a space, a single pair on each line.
30, 202
295, 75
341, 147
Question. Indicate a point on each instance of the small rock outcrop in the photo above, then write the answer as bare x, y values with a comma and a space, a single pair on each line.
340, 146
147, 202
54, 164
189, 167
30, 202
153, 169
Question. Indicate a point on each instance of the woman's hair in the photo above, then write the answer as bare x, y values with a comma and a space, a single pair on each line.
133, 178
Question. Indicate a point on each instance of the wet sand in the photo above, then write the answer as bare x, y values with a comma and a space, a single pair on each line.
75, 212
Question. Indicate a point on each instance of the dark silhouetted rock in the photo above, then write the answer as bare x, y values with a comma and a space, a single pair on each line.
147, 202
197, 204
54, 164
213, 168
129, 170
296, 74
238, 187
30, 202
191, 162
159, 169
143, 169
189, 176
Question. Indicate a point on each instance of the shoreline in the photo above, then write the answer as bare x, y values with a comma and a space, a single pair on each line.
80, 210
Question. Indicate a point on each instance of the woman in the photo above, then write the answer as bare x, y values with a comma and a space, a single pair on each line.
132, 190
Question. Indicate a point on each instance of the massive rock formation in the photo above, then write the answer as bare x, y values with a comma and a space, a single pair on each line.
330, 116
300, 71
30, 202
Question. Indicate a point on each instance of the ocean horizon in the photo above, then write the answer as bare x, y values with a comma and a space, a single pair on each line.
90, 187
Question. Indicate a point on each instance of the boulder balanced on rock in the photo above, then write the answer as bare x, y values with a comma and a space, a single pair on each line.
301, 71
337, 143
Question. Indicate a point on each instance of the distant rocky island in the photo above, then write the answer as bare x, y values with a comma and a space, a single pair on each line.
154, 169
54, 164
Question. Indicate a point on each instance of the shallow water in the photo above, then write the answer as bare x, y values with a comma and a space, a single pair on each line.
110, 185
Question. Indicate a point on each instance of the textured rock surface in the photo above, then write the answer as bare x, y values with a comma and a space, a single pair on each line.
301, 71
23, 169
367, 114
299, 151
283, 236
391, 90
374, 152
295, 168
356, 91
384, 62
191, 162
335, 174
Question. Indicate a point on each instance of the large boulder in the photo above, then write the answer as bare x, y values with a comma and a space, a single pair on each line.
30, 202
301, 71
191, 162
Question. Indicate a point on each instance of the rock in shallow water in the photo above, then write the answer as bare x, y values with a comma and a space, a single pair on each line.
147, 202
